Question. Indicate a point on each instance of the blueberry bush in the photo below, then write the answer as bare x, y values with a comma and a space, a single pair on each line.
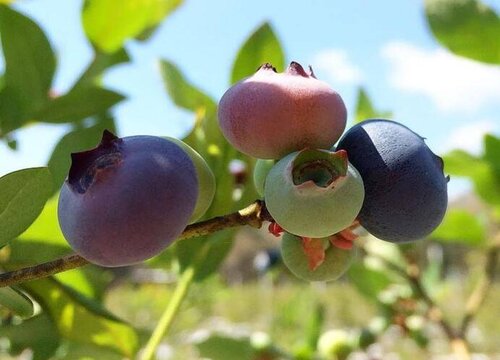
367, 203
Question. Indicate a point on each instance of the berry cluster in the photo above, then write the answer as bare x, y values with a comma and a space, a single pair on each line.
129, 198
381, 174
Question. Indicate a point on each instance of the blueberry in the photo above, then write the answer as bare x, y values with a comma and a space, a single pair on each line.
405, 188
127, 199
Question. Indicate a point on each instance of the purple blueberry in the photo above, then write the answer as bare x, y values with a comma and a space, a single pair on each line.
405, 188
127, 199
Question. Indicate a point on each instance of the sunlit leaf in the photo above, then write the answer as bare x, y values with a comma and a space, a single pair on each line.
460, 226
109, 23
23, 194
46, 228
466, 27
261, 47
78, 104
81, 319
16, 301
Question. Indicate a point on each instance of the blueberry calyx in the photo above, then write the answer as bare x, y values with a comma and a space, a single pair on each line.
320, 168
86, 165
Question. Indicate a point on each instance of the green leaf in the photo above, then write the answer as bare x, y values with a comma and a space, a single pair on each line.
109, 23
38, 334
466, 27
365, 109
460, 226
314, 326
11, 112
16, 301
23, 194
224, 347
368, 281
220, 245
261, 47
183, 93
82, 320
76, 140
99, 64
29, 60
479, 171
207, 139
78, 104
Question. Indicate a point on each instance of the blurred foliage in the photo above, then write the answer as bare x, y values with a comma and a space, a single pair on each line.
461, 226
365, 109
482, 170
16, 301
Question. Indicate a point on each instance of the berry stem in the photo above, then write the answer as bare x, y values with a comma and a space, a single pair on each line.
252, 215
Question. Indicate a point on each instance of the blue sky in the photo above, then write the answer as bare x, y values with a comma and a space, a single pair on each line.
383, 45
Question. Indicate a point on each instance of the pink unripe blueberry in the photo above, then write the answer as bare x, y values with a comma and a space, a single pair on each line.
269, 115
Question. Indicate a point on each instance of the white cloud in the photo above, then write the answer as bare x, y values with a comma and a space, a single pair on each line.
336, 64
453, 83
469, 137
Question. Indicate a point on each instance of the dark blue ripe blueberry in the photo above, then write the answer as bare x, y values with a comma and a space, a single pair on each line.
127, 199
405, 188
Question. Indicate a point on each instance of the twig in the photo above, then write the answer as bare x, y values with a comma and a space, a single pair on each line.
479, 293
252, 215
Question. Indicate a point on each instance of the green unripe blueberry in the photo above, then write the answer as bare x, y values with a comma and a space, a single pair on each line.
206, 180
314, 193
336, 260
260, 171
